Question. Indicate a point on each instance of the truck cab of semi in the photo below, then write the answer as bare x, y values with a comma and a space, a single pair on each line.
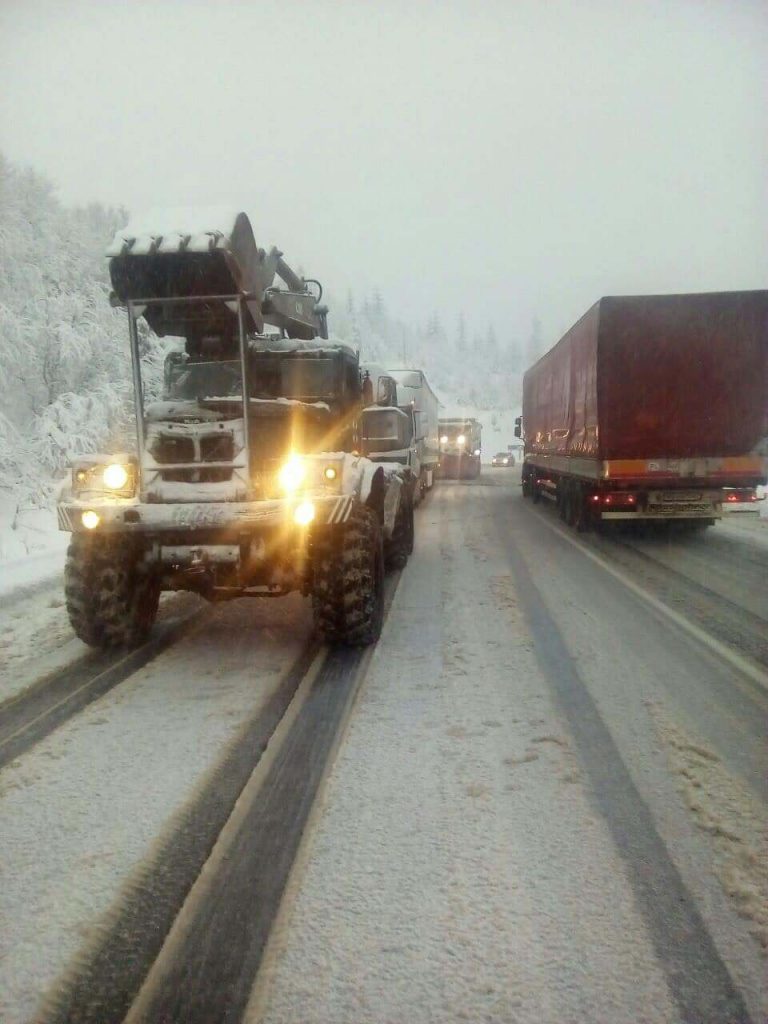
411, 438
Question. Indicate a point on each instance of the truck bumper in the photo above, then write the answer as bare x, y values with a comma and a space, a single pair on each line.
713, 513
226, 518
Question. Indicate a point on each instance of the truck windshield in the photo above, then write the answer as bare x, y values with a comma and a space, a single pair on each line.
386, 426
308, 379
205, 381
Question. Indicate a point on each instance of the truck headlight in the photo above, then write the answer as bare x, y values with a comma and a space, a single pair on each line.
304, 513
115, 476
461, 439
291, 475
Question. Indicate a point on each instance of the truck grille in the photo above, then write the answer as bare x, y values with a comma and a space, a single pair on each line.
217, 448
169, 451
173, 449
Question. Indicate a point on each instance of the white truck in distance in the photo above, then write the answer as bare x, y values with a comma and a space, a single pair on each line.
417, 445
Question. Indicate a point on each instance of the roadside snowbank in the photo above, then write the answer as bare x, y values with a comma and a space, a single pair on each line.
32, 547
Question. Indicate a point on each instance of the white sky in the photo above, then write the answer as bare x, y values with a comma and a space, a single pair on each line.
507, 159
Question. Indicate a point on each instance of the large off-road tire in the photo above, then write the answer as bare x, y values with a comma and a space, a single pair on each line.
400, 545
348, 580
110, 603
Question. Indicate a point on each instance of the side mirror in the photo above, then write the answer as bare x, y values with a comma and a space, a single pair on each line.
386, 391
173, 362
418, 427
518, 426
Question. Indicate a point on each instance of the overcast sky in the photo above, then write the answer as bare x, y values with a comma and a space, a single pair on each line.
505, 159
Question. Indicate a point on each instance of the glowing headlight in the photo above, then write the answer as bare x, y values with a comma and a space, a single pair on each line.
304, 513
115, 477
330, 473
90, 519
444, 439
460, 439
477, 452
292, 474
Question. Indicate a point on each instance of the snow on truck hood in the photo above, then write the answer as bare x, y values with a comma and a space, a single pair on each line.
156, 412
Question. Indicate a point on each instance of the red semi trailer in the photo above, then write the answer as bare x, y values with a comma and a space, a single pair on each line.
649, 407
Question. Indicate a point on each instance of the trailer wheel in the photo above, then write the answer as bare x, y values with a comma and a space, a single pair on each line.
581, 512
400, 546
348, 580
569, 500
562, 500
110, 603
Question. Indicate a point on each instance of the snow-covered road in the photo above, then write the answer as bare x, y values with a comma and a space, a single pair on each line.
549, 803
81, 810
472, 862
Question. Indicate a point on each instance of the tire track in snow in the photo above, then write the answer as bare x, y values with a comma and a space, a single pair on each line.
698, 979
34, 714
187, 939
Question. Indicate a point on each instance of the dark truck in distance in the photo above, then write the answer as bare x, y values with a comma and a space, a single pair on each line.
460, 448
651, 407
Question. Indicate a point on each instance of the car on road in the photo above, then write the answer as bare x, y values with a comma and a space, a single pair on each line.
503, 459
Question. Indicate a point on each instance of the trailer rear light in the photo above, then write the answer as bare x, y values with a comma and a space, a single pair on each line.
740, 494
595, 498
619, 498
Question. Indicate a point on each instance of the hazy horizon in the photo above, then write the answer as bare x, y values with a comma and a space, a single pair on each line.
510, 160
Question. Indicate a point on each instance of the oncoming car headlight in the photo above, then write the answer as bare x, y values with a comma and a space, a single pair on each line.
461, 439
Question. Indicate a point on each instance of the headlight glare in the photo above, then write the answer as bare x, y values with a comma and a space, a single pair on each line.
460, 439
292, 474
90, 519
330, 473
115, 476
304, 513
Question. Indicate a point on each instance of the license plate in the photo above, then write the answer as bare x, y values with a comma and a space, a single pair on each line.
673, 497
679, 507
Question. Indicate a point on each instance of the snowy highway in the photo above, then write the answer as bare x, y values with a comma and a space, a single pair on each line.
540, 798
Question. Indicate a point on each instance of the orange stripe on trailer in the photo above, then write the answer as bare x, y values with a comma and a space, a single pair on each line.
743, 463
625, 467
619, 468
